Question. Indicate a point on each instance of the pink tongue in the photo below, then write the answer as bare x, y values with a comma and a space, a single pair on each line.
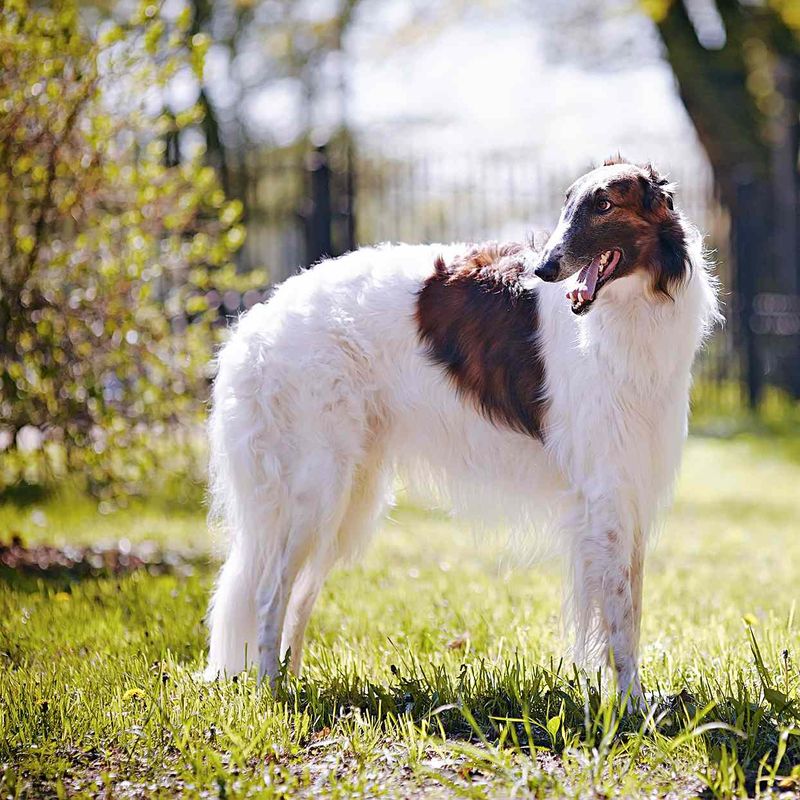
587, 279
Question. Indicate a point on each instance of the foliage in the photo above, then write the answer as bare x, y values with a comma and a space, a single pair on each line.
107, 243
284, 42
444, 683
738, 70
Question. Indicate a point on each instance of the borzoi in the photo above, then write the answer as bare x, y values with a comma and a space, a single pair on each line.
464, 365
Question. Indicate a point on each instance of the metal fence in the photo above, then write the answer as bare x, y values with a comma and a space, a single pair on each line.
303, 205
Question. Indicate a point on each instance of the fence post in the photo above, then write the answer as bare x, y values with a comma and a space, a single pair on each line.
349, 209
319, 223
747, 254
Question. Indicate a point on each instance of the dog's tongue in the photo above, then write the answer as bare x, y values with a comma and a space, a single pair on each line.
587, 279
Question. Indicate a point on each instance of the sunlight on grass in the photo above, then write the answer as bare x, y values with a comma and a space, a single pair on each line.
431, 634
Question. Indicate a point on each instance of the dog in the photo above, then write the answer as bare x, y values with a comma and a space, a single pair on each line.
550, 387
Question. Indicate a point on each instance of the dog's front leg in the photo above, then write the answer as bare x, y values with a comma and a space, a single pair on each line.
620, 616
606, 558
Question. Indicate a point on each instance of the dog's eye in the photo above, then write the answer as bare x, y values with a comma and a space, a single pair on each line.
604, 205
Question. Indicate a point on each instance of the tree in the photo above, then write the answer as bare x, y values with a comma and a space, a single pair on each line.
738, 72
105, 249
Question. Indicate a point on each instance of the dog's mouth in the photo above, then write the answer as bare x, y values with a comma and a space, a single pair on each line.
591, 279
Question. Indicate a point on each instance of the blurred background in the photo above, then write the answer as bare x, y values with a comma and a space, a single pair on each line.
163, 164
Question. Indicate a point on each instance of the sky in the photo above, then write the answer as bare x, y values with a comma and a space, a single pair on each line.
492, 79
574, 84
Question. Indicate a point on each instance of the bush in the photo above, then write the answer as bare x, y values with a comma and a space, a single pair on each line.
107, 245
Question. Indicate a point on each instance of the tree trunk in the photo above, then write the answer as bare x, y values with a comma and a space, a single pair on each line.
712, 85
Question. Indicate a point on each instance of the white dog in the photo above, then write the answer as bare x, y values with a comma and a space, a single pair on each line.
465, 364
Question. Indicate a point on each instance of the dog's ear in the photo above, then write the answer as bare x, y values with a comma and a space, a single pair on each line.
656, 190
612, 161
672, 256
671, 259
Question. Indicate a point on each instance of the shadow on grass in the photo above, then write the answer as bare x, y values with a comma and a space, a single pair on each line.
751, 735
22, 495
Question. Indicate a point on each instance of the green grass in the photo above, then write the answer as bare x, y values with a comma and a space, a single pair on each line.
432, 667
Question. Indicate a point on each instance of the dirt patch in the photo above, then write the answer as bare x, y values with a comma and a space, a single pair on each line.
96, 561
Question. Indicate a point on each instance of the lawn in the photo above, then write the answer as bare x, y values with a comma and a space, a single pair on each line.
432, 667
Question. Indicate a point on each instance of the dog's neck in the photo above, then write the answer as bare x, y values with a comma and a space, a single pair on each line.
639, 335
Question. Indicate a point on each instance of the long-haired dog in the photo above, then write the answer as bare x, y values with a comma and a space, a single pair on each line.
466, 365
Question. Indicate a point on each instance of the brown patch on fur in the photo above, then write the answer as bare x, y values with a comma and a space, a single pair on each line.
480, 324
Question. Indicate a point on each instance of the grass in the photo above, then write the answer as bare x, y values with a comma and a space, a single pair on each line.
446, 682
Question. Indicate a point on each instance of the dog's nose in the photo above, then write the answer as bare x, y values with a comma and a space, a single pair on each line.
548, 269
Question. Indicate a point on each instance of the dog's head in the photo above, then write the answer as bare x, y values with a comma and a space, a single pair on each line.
617, 219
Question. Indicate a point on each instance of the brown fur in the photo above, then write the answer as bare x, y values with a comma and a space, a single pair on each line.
642, 223
481, 325
646, 215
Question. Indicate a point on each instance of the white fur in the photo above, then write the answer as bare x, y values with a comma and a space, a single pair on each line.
324, 392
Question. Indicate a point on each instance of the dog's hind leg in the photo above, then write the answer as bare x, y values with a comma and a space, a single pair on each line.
280, 492
304, 596
368, 500
257, 518
272, 600
318, 501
